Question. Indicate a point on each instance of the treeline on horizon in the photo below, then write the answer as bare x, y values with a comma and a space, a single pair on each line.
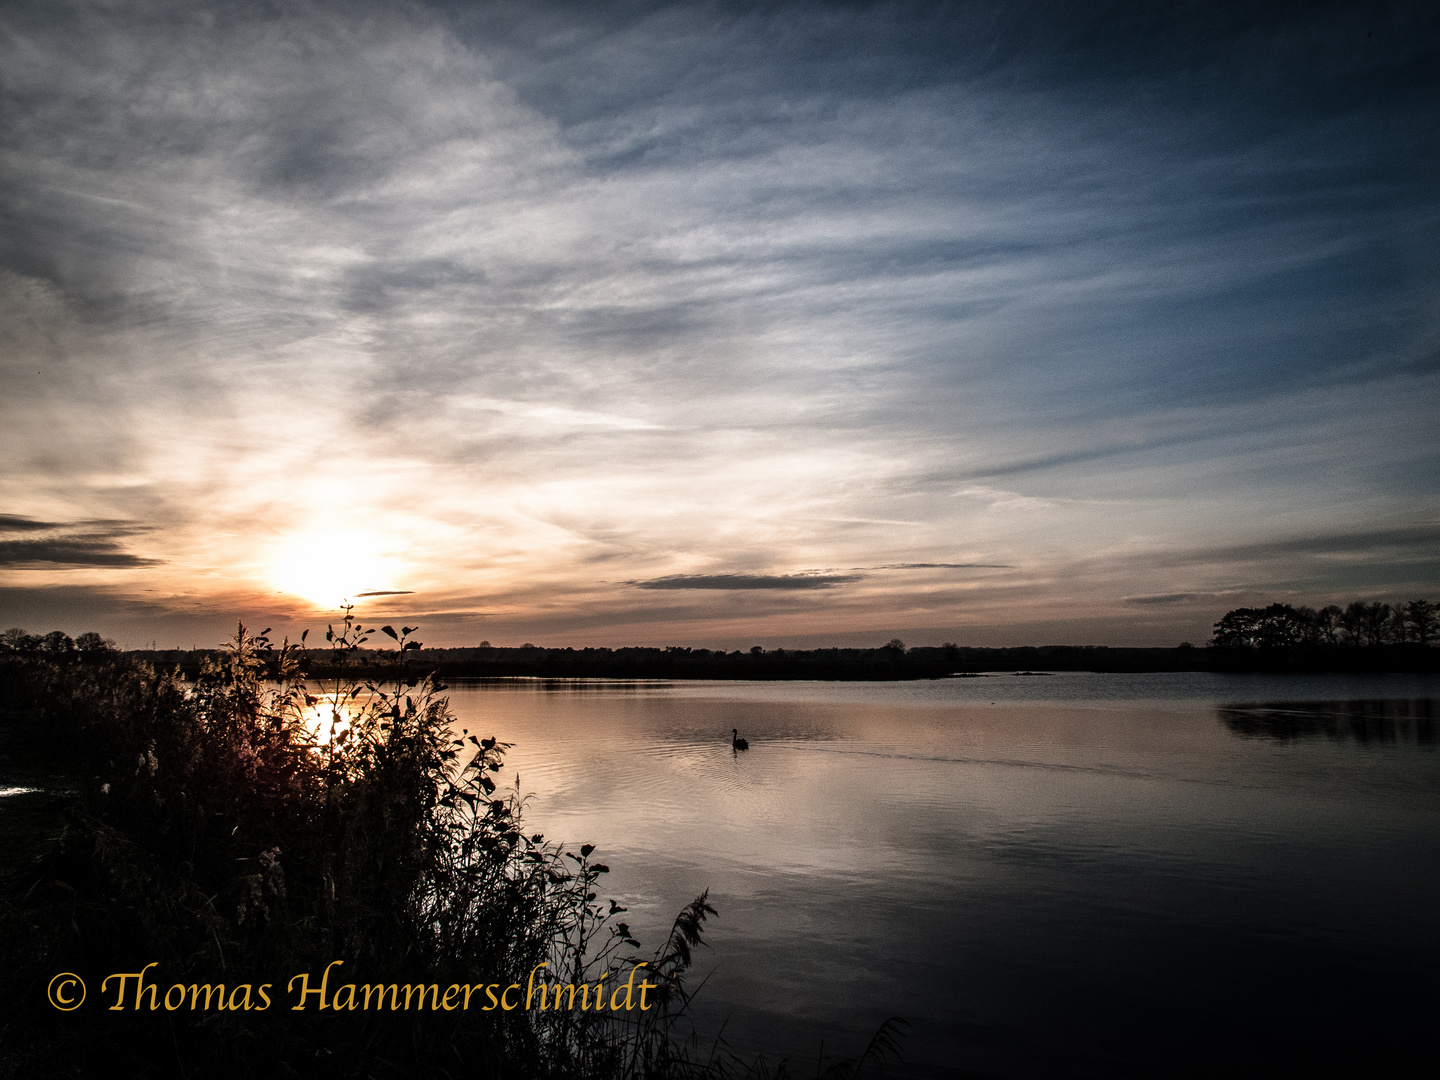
1364, 636
1362, 623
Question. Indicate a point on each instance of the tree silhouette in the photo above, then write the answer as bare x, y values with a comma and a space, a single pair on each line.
1360, 623
1365, 622
57, 643
1263, 628
91, 642
1422, 619
1327, 624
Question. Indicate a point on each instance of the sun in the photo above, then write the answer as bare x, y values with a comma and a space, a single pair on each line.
327, 569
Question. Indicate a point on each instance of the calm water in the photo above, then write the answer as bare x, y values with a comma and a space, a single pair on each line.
1068, 875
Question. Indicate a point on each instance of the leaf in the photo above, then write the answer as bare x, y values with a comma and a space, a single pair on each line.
585, 850
391, 631
304, 635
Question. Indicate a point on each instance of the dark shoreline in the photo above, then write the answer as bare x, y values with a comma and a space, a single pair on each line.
886, 664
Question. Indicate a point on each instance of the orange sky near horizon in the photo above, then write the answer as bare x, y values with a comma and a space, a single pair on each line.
613, 333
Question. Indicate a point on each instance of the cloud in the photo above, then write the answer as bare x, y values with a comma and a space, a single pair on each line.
1169, 598
747, 581
69, 551
77, 604
940, 566
92, 543
1404, 542
12, 523
386, 592
555, 418
499, 292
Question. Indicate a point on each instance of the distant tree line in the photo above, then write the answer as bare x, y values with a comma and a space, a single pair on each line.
1363, 636
1359, 624
56, 644
889, 662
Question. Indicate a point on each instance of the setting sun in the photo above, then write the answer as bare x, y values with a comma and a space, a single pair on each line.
327, 569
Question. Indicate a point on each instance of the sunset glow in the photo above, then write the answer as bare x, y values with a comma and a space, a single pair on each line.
798, 325
328, 570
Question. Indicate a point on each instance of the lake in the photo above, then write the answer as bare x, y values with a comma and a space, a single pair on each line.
1074, 874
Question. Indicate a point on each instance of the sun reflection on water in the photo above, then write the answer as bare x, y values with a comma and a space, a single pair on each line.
333, 714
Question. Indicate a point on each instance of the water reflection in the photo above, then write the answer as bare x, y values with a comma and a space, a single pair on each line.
1064, 876
1047, 876
1364, 721
331, 715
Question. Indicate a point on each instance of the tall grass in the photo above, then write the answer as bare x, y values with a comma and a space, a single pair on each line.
222, 832
246, 825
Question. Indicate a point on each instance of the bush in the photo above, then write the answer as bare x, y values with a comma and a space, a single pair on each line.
242, 830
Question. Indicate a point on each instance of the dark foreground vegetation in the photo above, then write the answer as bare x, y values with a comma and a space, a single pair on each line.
211, 826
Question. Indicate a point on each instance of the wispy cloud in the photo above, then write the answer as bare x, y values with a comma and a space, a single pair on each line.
491, 299
69, 551
747, 581
1415, 541
940, 566
1170, 598
12, 523
94, 543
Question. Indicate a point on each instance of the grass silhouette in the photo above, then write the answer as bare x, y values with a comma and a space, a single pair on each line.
249, 824
232, 829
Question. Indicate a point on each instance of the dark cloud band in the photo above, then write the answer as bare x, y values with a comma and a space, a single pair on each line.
748, 581
69, 552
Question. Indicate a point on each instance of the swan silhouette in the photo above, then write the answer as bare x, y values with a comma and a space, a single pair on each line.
737, 743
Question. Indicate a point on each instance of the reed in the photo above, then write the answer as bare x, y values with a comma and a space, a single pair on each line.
245, 825
238, 830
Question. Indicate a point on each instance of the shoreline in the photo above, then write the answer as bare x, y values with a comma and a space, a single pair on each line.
885, 664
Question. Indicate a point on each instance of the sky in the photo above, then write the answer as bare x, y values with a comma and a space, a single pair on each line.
715, 324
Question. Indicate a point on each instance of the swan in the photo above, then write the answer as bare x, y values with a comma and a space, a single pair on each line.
737, 743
